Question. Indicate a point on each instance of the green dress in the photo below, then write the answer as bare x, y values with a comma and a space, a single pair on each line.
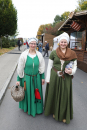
58, 97
29, 103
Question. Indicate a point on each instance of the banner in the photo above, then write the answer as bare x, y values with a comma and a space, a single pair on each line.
76, 26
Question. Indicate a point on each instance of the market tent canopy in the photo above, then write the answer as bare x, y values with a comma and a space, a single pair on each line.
55, 41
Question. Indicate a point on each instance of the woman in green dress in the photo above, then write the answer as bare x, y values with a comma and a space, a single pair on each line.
31, 67
58, 97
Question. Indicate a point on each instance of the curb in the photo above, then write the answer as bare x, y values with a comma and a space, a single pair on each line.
3, 90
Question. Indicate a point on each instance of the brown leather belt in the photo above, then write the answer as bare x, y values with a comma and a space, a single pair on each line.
31, 75
60, 73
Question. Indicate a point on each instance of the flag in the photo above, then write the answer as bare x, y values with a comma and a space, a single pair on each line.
75, 26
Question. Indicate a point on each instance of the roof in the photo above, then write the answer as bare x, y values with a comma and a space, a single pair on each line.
79, 17
81, 13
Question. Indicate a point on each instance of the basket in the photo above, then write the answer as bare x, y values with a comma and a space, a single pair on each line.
17, 92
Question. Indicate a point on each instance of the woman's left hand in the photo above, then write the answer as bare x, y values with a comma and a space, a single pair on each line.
43, 81
68, 71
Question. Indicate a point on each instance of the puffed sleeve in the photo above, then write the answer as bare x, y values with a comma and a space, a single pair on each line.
41, 63
74, 68
21, 65
49, 67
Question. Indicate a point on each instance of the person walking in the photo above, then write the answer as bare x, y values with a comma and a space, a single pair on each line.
27, 44
31, 67
18, 42
58, 96
40, 46
46, 49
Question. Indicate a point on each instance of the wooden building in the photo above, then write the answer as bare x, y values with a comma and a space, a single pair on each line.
76, 27
48, 38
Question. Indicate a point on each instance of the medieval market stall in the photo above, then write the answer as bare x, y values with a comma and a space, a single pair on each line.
76, 27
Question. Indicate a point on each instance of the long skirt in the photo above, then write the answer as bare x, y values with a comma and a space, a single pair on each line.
58, 97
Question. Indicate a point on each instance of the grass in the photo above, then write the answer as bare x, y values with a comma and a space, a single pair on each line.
4, 50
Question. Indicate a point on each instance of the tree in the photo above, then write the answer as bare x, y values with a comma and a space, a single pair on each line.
56, 19
54, 30
82, 5
43, 28
40, 30
64, 16
59, 18
8, 18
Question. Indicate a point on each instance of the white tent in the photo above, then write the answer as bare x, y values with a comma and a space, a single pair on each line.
55, 41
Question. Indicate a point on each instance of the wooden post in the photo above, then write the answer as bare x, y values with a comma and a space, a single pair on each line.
83, 39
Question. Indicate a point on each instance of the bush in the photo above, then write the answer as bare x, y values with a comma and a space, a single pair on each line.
16, 40
12, 43
5, 42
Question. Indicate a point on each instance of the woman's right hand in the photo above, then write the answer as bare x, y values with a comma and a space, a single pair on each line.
68, 71
17, 83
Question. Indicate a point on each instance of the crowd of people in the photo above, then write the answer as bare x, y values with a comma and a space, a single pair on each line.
58, 95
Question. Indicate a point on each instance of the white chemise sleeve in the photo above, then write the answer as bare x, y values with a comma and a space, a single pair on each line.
49, 67
21, 65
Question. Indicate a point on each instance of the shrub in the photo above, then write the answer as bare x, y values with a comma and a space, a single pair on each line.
5, 42
12, 43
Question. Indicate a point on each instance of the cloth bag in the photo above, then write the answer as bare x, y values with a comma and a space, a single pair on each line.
37, 94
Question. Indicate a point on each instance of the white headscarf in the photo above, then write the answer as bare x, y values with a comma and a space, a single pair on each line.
32, 39
63, 36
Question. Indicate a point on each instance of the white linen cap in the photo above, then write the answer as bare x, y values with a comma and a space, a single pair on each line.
32, 39
63, 36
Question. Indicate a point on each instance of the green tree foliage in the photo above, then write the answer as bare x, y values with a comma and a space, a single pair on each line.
82, 5
54, 30
59, 18
8, 18
56, 19
6, 42
64, 16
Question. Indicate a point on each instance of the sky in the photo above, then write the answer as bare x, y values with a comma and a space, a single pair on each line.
33, 13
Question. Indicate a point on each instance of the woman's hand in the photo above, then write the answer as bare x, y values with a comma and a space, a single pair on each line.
68, 71
43, 81
17, 83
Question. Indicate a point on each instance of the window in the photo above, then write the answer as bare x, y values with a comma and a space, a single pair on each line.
76, 40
